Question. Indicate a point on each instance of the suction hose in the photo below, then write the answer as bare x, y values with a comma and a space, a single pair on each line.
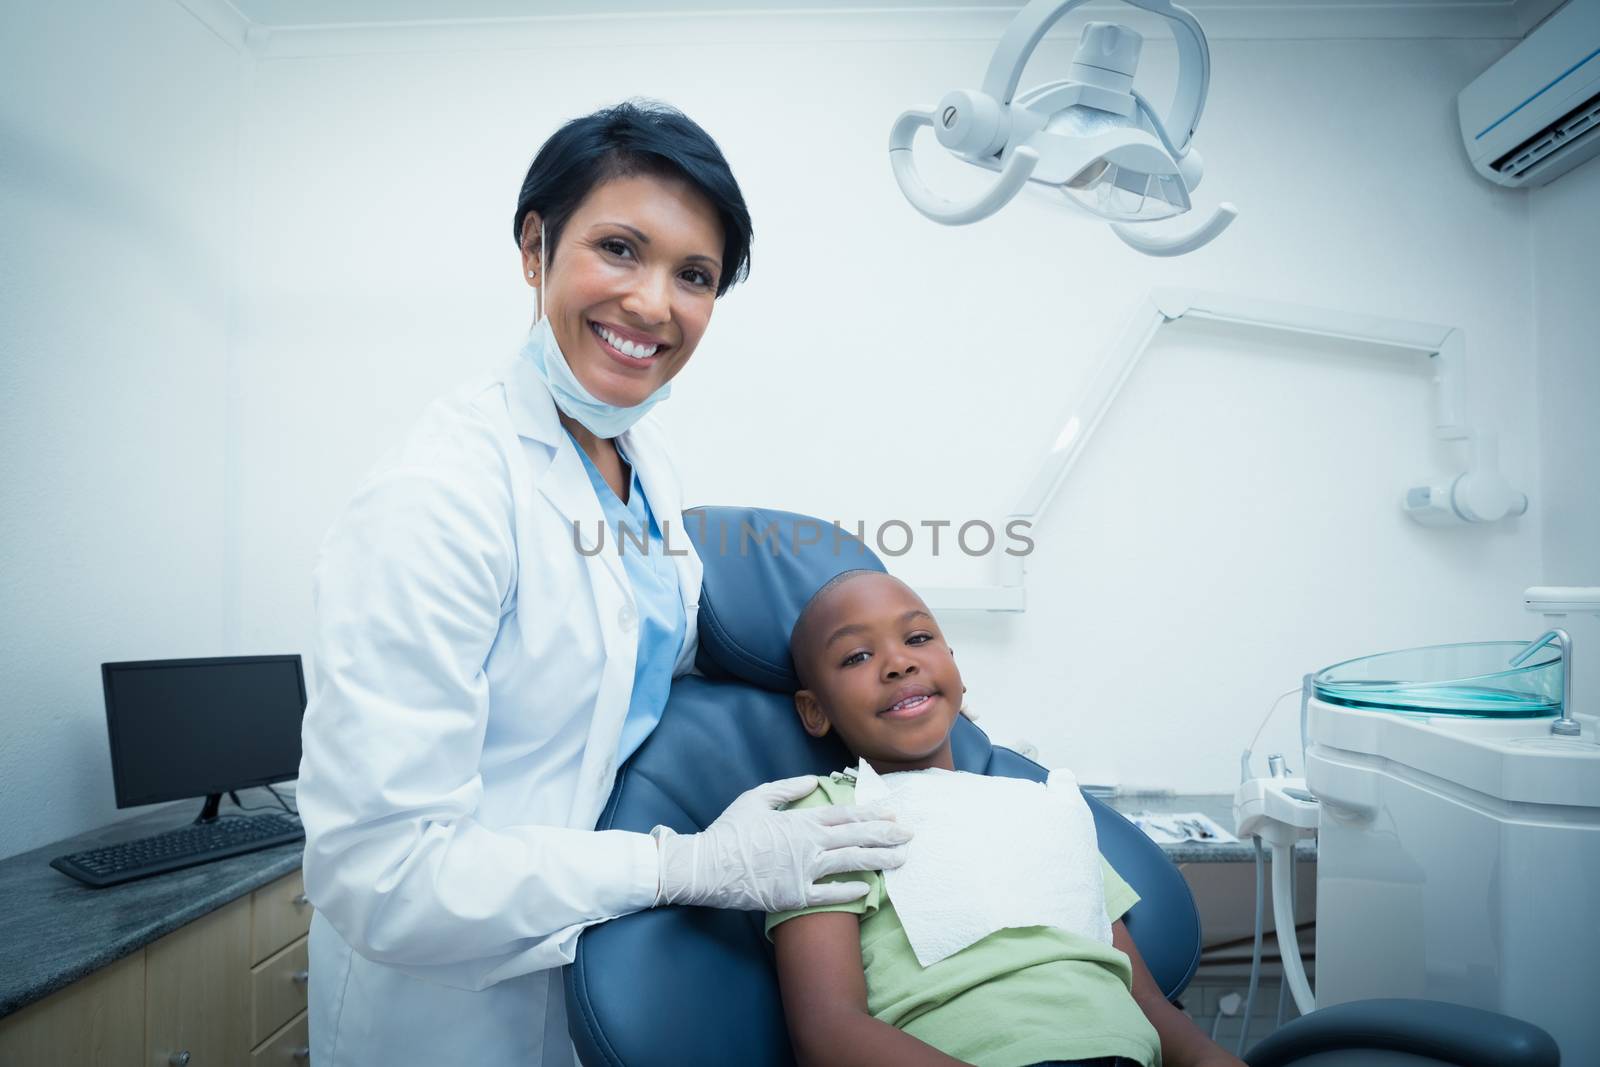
1294, 970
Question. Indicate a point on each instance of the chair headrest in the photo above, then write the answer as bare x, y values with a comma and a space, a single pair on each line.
761, 566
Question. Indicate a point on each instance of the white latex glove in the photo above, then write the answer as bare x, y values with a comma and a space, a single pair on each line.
756, 858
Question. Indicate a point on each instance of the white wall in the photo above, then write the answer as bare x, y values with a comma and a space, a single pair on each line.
1234, 524
117, 136
1566, 266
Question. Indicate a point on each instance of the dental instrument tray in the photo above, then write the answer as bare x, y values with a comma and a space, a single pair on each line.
1472, 679
1176, 827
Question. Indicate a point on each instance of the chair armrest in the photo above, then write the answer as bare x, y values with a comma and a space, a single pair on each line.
1449, 1033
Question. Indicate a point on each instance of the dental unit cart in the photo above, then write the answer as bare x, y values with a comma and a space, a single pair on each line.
1457, 812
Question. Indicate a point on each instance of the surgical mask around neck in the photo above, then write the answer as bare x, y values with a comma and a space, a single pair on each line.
575, 401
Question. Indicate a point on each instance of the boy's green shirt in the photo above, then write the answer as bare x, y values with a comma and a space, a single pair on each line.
1017, 997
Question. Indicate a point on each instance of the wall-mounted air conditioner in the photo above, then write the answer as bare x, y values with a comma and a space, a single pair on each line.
1535, 114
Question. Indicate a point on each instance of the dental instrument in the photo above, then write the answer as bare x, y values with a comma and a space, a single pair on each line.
1091, 136
1277, 811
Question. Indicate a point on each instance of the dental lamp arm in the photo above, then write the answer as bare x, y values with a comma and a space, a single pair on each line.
1013, 176
1134, 238
1188, 99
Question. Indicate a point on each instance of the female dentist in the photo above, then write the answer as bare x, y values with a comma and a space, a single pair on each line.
481, 678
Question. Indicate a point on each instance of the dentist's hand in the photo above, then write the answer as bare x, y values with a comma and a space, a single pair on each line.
756, 858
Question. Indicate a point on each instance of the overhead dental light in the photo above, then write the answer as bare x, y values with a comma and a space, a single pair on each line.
1091, 136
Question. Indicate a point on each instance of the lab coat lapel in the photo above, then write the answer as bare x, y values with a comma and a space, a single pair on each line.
563, 480
553, 466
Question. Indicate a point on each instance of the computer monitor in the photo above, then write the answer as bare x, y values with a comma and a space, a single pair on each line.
202, 727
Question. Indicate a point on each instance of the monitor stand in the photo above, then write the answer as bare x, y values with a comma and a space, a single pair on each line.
209, 812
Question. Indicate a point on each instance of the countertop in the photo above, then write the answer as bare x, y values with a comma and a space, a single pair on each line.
1216, 806
54, 930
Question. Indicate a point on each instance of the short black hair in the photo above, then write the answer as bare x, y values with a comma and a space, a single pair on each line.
627, 139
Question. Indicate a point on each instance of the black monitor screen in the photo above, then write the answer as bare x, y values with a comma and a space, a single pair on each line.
189, 727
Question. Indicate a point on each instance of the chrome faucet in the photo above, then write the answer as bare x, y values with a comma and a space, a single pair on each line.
1565, 726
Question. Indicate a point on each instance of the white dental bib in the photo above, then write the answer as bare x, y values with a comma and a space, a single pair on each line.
990, 853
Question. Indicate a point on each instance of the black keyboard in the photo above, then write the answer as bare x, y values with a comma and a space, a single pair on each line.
176, 849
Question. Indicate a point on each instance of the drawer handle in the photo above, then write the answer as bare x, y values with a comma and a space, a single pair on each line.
301, 900
302, 1053
300, 977
179, 1059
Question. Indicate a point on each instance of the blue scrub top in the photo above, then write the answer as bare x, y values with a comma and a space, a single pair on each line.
662, 623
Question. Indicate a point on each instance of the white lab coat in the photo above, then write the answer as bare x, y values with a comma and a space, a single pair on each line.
475, 671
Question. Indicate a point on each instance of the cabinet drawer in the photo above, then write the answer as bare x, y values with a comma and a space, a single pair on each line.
197, 990
278, 989
279, 915
290, 1047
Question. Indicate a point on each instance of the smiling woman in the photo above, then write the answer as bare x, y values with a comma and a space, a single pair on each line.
481, 678
630, 226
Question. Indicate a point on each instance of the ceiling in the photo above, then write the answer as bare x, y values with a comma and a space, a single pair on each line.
272, 14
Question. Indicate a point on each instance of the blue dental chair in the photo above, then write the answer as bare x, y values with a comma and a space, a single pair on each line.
697, 985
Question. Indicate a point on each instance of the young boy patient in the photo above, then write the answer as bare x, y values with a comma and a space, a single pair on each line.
875, 668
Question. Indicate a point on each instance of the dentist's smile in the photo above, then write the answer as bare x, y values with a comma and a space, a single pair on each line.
631, 348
